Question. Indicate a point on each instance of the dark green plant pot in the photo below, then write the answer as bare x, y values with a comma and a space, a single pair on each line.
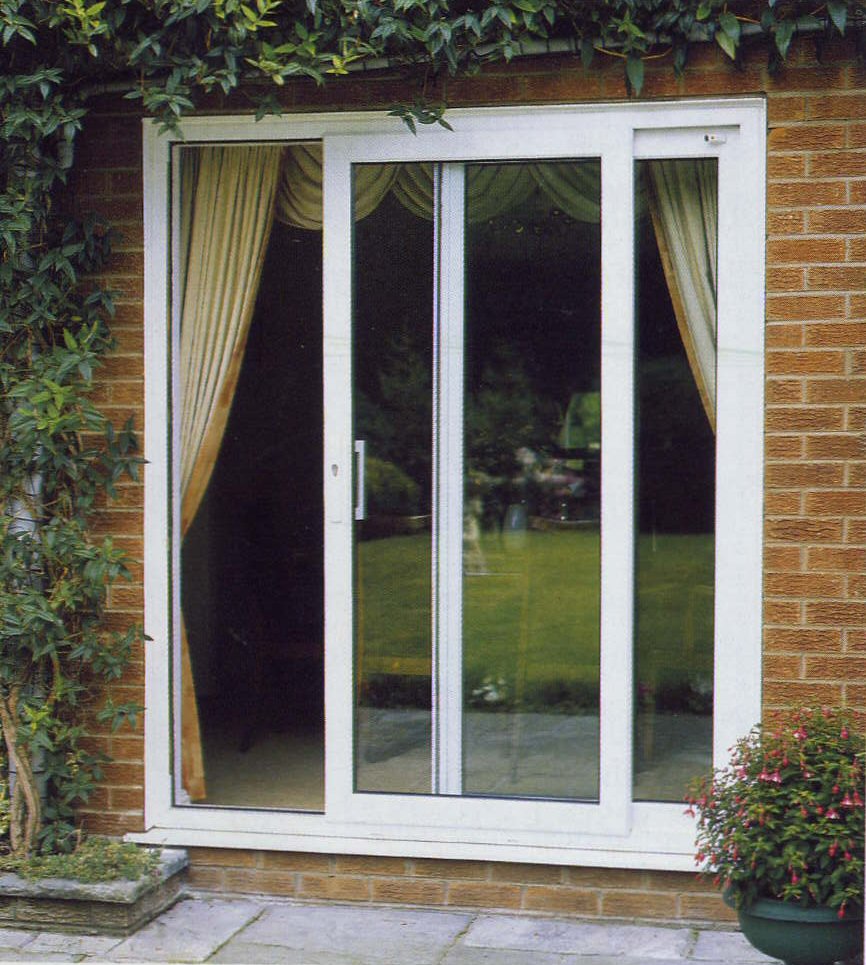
800, 936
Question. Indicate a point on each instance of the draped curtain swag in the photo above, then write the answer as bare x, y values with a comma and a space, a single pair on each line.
229, 198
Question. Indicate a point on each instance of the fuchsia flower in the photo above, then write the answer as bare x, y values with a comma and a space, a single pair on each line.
800, 733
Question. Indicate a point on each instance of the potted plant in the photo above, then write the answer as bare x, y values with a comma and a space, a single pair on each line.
781, 830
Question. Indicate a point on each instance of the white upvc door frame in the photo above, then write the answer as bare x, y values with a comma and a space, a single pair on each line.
614, 831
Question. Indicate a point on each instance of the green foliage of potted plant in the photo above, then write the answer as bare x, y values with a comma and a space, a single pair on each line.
781, 829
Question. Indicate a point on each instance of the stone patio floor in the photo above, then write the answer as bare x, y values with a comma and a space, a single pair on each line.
209, 928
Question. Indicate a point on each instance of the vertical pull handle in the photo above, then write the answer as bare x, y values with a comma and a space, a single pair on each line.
361, 495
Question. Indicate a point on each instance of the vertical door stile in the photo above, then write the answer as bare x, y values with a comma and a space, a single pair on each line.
180, 795
617, 480
448, 444
339, 515
434, 528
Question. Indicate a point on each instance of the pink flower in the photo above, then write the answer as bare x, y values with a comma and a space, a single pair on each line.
795, 878
846, 801
832, 814
834, 847
800, 733
844, 734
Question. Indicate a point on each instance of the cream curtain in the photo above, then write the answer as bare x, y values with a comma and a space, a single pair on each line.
683, 201
228, 205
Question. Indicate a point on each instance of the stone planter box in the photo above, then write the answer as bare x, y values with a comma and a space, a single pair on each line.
104, 908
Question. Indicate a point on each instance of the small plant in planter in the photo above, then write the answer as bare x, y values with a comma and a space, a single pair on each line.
781, 829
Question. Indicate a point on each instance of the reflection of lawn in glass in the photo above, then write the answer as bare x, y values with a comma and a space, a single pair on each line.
537, 607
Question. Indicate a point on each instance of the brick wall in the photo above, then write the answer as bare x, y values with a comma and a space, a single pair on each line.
587, 892
107, 180
815, 529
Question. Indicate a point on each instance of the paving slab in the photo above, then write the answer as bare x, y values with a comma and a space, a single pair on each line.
384, 935
22, 955
191, 931
15, 937
727, 946
578, 938
47, 943
466, 955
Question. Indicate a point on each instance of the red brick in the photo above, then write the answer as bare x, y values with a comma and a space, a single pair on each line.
806, 137
365, 864
804, 530
414, 891
799, 418
794, 194
837, 104
786, 222
782, 251
799, 693
810, 362
784, 335
809, 474
836, 614
706, 908
835, 333
782, 558
249, 881
782, 612
786, 166
836, 278
541, 874
837, 221
790, 308
783, 447
837, 163
786, 279
782, 504
562, 900
638, 904
801, 639
842, 503
292, 861
826, 667
804, 585
786, 108
439, 868
336, 888
841, 446
782, 666
483, 894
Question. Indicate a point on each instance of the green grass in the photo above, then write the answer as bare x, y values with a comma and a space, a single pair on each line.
532, 618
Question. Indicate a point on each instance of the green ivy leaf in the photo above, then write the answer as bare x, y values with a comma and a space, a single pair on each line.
727, 44
838, 10
634, 69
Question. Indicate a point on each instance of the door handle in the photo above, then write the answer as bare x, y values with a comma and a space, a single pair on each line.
361, 494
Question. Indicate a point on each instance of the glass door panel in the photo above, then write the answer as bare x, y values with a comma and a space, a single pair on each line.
393, 426
532, 458
676, 232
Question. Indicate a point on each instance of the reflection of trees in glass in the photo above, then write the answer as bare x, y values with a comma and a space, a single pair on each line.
394, 416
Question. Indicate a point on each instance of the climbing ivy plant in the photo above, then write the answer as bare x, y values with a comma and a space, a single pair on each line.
59, 456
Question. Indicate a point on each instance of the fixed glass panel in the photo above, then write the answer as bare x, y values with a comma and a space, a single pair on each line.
677, 242
532, 461
393, 426
249, 458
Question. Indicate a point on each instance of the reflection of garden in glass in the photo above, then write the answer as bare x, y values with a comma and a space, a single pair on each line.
558, 570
